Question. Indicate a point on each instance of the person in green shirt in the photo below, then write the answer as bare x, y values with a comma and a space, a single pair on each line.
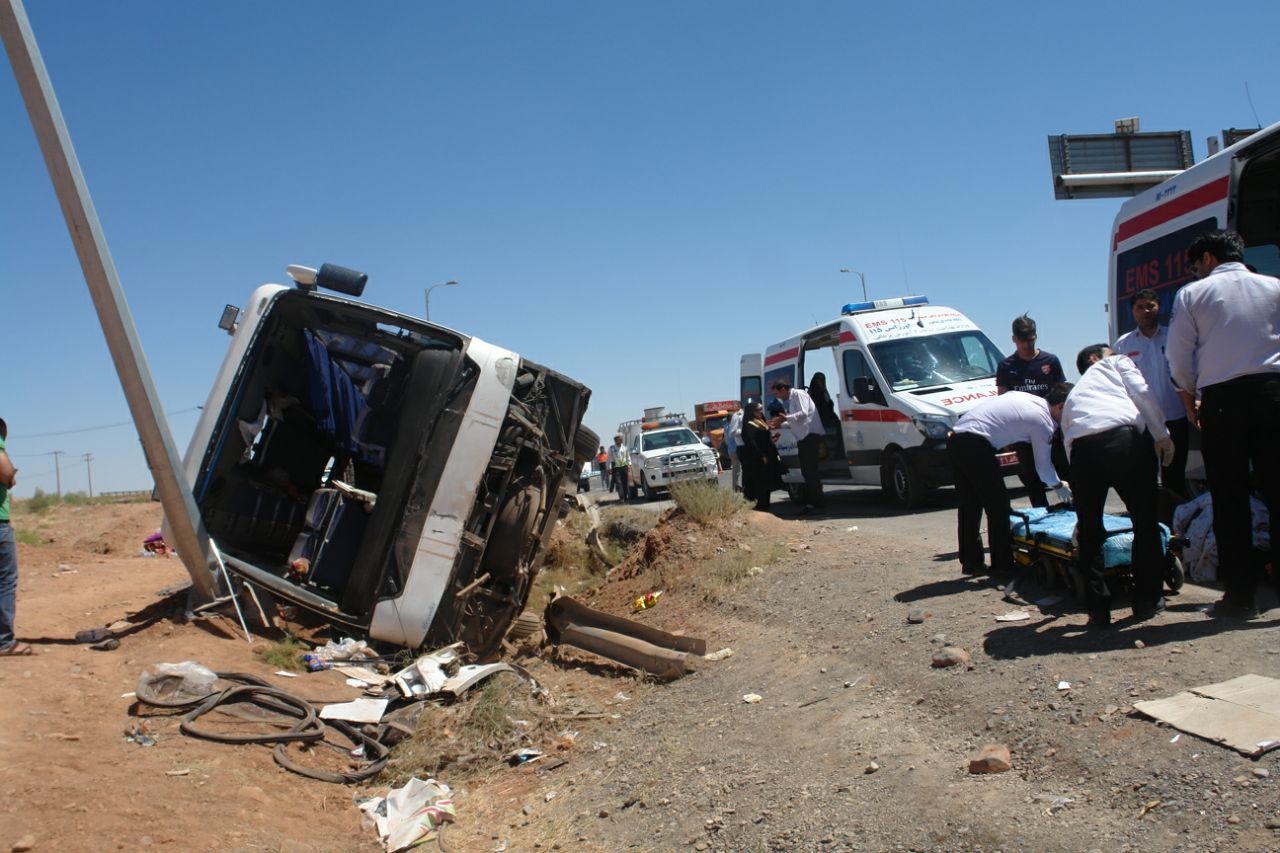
8, 556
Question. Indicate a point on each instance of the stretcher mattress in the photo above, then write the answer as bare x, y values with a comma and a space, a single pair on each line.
1056, 527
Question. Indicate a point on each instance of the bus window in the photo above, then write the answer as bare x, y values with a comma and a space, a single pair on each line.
749, 389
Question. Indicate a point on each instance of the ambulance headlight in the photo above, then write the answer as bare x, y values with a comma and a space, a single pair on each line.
933, 426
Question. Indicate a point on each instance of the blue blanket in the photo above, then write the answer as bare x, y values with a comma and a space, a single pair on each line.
1058, 526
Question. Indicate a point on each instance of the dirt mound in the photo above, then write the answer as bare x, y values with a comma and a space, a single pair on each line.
66, 532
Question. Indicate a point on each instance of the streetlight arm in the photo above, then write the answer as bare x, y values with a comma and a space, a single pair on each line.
863, 278
449, 283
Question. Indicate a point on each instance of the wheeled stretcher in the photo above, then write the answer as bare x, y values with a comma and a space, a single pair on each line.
1044, 540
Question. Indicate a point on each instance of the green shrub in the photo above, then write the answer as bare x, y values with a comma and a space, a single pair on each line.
705, 501
77, 499
40, 501
28, 537
284, 654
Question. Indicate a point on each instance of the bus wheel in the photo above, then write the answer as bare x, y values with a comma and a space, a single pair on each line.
901, 483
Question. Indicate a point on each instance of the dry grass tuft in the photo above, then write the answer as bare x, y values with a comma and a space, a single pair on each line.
705, 502
284, 654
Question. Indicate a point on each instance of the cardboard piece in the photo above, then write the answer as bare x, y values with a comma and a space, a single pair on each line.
1242, 713
361, 710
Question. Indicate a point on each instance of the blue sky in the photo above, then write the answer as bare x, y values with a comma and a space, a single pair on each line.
634, 194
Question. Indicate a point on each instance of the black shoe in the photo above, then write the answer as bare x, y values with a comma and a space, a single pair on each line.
1143, 612
1224, 609
1099, 620
807, 510
973, 570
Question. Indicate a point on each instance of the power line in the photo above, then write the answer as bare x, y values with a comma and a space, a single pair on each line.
102, 426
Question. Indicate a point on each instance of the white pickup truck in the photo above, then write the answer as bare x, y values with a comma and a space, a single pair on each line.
663, 450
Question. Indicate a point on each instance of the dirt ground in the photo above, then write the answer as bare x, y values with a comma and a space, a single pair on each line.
858, 743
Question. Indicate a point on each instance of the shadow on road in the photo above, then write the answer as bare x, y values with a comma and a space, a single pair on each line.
937, 589
1046, 638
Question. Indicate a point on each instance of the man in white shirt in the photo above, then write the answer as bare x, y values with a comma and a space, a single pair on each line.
1146, 346
1224, 343
1011, 418
620, 463
805, 422
1108, 424
733, 440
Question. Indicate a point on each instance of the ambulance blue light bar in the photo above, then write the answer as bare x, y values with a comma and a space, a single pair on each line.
881, 304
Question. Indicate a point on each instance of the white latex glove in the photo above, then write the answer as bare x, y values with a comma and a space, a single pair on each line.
1063, 493
1165, 450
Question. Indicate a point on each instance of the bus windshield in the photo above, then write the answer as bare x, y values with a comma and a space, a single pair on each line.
936, 359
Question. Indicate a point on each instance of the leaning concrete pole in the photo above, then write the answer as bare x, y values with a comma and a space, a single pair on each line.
191, 539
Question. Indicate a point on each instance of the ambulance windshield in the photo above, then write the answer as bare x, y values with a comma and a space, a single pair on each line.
936, 359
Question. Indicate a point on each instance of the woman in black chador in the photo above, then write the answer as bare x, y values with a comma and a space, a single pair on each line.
761, 466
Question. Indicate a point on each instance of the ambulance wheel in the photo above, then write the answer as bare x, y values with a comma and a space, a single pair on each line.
795, 491
901, 482
1176, 575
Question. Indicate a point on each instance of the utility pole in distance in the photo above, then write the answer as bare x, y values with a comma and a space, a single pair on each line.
88, 467
57, 470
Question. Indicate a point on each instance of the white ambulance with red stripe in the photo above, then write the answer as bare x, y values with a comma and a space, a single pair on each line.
900, 372
1238, 188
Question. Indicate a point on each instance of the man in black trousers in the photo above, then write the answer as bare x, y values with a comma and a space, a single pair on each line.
1007, 419
1102, 425
1224, 342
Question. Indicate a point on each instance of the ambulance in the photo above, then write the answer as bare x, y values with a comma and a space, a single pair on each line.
900, 373
1236, 188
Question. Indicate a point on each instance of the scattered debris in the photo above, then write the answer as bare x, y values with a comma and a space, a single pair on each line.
110, 644
92, 635
139, 736
813, 701
752, 698
523, 756
870, 768
1048, 601
285, 673
720, 655
428, 673
1053, 802
364, 675
1242, 713
992, 758
1064, 685
915, 617
410, 815
362, 710
644, 602
950, 656
1138, 644
660, 654
1148, 806
1014, 616
23, 844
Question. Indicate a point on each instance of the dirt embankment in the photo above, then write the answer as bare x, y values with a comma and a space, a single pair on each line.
858, 743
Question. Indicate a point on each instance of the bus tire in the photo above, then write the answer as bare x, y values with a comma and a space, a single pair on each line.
585, 442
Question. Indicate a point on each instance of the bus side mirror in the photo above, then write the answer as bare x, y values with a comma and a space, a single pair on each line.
865, 390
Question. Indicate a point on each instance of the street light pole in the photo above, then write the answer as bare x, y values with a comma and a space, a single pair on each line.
864, 282
449, 283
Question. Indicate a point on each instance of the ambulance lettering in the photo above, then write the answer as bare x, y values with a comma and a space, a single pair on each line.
968, 398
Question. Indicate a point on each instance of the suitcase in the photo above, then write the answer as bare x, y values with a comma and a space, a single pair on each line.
1043, 539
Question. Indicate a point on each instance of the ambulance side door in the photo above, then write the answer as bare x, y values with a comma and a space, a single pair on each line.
861, 422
